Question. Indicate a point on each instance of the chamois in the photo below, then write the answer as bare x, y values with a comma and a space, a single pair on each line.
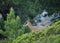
27, 23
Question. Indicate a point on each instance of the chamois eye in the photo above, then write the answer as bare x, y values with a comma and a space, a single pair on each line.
25, 22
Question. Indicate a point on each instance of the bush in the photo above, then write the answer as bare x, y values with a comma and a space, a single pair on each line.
51, 35
12, 27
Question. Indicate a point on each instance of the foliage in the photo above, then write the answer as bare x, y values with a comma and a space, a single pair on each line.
30, 7
27, 8
12, 27
2, 24
51, 35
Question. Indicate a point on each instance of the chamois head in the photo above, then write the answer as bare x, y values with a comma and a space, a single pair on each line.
27, 23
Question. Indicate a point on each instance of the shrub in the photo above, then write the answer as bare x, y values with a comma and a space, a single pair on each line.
51, 35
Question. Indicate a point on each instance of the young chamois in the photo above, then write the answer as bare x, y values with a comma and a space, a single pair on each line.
27, 23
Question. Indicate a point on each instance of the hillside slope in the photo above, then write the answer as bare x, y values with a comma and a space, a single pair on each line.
51, 35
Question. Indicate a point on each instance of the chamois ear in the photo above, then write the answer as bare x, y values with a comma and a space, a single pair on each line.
27, 20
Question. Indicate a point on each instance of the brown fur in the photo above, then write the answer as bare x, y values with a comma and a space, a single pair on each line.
27, 23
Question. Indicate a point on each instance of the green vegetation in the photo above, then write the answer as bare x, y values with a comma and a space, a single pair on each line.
12, 28
30, 8
50, 35
16, 12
